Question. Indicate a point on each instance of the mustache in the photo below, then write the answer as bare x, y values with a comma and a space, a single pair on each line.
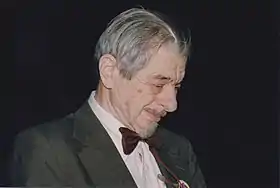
156, 113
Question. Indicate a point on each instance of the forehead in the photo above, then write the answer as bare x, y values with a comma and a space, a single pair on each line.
167, 62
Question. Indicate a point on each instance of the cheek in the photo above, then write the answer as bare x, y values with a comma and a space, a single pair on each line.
144, 100
129, 99
143, 96
138, 101
139, 91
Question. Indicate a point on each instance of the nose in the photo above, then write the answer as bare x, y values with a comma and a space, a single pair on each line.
167, 98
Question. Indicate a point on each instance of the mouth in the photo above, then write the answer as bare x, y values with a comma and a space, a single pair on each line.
155, 116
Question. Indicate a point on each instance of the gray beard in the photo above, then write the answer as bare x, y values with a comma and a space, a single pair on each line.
146, 133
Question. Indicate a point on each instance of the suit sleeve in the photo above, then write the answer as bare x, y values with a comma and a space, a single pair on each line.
31, 160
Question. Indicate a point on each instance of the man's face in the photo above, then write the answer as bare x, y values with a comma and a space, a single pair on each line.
141, 102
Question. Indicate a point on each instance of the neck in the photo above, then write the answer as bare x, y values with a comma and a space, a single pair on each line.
102, 97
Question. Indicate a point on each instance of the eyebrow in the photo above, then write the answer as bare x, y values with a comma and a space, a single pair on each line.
161, 77
164, 78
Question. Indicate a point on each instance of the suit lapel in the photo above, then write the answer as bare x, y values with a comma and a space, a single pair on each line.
167, 161
164, 171
98, 156
170, 156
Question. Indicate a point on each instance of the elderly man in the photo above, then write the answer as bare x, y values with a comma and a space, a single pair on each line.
114, 140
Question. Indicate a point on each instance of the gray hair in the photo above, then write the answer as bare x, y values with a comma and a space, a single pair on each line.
133, 36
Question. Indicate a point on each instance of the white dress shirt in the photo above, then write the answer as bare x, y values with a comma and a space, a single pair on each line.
140, 163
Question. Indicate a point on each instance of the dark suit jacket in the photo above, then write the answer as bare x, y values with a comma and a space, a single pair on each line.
76, 151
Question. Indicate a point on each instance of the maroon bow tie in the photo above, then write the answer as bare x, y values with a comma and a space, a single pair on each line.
130, 140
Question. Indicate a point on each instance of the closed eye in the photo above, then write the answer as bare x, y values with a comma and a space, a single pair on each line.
159, 86
178, 87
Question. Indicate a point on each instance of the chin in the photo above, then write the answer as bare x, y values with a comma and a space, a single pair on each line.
147, 130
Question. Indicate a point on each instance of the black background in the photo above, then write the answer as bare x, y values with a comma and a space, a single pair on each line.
228, 104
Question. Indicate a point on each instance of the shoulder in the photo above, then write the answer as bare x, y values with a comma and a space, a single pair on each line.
44, 135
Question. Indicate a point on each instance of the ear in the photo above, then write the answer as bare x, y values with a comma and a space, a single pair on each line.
107, 65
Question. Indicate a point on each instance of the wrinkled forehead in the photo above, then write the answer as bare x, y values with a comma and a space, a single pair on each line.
167, 62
